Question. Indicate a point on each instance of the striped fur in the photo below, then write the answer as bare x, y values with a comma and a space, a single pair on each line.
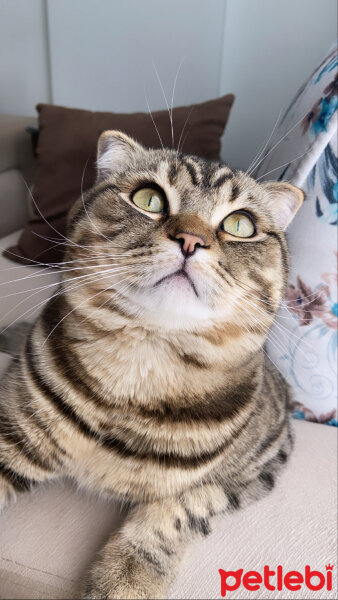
150, 388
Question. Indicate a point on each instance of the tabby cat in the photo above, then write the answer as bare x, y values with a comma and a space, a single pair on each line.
145, 378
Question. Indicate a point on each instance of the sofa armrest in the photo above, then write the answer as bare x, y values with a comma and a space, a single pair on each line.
17, 165
14, 202
16, 151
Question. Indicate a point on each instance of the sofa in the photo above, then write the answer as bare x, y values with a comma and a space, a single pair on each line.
49, 537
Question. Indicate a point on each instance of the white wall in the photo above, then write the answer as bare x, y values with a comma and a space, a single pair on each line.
24, 78
269, 48
102, 51
98, 54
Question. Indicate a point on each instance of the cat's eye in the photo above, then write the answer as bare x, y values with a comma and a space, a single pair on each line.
239, 225
149, 199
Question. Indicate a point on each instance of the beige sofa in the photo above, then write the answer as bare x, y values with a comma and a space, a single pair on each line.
48, 538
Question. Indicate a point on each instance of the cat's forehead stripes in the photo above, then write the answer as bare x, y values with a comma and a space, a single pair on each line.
211, 190
221, 177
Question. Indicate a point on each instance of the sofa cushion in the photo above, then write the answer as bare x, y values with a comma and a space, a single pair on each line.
66, 155
303, 342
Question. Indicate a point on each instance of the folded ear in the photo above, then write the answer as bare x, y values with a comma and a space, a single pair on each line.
284, 200
114, 149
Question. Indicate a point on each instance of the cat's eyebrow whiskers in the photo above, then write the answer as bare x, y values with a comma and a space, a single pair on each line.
283, 165
277, 144
156, 128
166, 101
180, 138
172, 99
252, 165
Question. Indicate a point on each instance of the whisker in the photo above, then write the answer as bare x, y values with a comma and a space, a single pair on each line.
172, 99
263, 147
248, 313
84, 204
31, 260
42, 216
47, 286
260, 300
279, 326
166, 101
184, 126
293, 304
64, 289
284, 165
266, 328
279, 142
157, 131
65, 270
71, 311
139, 278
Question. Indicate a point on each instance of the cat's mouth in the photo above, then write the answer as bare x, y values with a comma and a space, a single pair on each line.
180, 273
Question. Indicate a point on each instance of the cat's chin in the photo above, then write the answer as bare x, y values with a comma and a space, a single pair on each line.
173, 304
178, 282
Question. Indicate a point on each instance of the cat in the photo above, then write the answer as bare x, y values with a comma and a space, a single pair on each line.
145, 378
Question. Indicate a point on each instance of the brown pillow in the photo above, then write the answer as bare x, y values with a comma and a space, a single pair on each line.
66, 153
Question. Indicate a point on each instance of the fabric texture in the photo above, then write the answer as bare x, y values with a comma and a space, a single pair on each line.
303, 343
66, 156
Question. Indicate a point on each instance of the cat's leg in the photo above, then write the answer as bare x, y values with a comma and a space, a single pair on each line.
23, 466
12, 483
29, 452
141, 560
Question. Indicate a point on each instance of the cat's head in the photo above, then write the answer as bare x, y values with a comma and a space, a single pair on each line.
180, 241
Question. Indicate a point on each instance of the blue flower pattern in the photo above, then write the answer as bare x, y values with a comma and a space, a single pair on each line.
309, 358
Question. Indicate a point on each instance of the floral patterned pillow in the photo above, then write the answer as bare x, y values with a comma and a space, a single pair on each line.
303, 343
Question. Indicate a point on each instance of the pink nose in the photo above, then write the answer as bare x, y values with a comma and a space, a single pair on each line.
189, 242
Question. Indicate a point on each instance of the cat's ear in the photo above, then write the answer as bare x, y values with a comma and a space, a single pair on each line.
114, 149
285, 200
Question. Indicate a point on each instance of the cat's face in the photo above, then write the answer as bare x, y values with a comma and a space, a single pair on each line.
180, 241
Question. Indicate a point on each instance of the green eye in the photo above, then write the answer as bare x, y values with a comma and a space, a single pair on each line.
239, 225
149, 199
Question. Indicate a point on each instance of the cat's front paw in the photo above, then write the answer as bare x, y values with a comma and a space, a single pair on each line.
121, 573
101, 589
